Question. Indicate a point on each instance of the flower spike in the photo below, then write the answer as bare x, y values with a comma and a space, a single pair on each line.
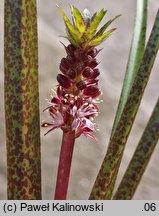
76, 101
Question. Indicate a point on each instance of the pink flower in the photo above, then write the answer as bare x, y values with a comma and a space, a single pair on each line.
57, 120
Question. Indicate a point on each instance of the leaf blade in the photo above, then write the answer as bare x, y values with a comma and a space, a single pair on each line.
79, 21
135, 57
110, 166
71, 30
94, 23
105, 26
140, 158
96, 41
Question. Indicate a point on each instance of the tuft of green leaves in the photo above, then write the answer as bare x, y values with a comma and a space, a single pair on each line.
82, 32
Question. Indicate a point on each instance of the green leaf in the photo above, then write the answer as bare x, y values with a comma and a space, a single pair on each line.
71, 40
140, 158
79, 21
94, 24
72, 31
21, 94
110, 166
96, 41
135, 56
102, 30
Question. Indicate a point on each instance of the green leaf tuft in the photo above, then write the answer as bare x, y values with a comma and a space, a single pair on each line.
71, 30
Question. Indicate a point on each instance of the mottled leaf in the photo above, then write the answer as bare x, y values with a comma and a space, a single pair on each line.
140, 158
96, 41
107, 175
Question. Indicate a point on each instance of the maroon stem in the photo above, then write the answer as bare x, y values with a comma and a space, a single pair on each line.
64, 165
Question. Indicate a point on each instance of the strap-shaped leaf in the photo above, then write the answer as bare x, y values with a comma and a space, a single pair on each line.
135, 56
72, 31
107, 175
79, 21
102, 30
140, 158
94, 23
96, 41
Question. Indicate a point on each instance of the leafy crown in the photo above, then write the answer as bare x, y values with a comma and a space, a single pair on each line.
82, 32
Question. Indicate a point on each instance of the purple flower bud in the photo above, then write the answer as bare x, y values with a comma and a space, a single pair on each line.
80, 67
92, 91
64, 65
87, 59
93, 63
87, 72
63, 81
70, 49
71, 74
93, 52
96, 73
63, 69
81, 85
70, 60
78, 53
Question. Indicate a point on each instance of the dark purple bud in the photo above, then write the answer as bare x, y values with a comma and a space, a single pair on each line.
70, 49
64, 65
80, 67
87, 72
70, 60
92, 91
63, 81
96, 73
93, 81
78, 53
93, 52
71, 74
63, 69
93, 63
87, 59
81, 85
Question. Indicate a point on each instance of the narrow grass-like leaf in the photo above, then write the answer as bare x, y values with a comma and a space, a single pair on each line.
102, 30
105, 180
22, 100
79, 21
94, 23
135, 56
140, 158
98, 40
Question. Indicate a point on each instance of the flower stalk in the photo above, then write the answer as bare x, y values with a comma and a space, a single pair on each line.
65, 160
